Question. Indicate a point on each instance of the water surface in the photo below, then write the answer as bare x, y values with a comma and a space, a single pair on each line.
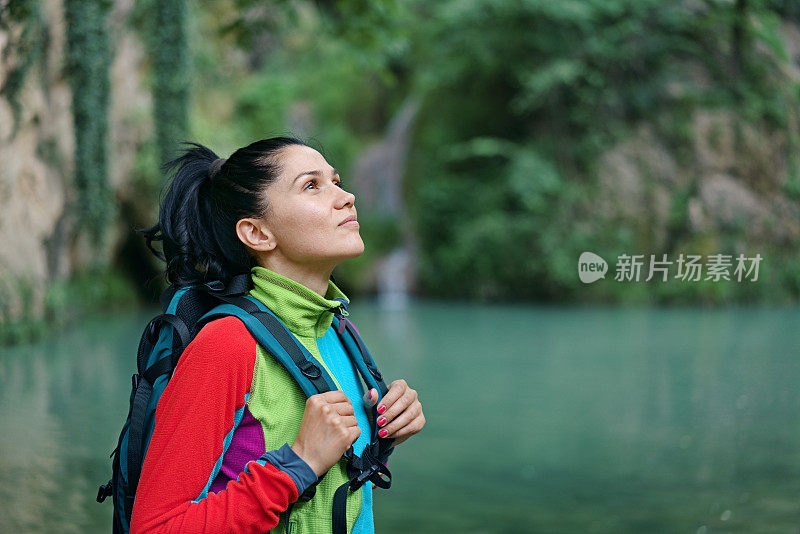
540, 419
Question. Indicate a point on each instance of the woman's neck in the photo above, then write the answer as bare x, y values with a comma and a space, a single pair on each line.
314, 277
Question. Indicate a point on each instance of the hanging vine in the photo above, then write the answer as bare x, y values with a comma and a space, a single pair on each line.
23, 50
89, 57
171, 68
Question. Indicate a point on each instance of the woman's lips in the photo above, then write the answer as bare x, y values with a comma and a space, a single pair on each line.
349, 221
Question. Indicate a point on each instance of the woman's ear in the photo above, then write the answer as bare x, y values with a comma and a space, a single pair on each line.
255, 234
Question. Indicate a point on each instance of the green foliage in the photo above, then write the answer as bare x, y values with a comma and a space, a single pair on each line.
89, 58
19, 325
165, 29
264, 99
64, 302
171, 75
88, 290
488, 233
28, 49
373, 32
523, 98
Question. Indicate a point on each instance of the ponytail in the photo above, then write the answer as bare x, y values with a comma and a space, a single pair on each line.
208, 195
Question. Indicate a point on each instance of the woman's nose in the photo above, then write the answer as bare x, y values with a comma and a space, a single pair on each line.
347, 198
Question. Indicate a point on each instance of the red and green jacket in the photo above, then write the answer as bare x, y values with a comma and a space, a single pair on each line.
220, 459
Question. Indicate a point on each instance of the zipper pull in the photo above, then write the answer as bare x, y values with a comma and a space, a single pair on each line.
341, 310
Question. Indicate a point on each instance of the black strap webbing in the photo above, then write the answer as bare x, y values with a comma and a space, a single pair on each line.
135, 439
340, 509
181, 332
166, 297
162, 366
365, 355
180, 327
379, 446
239, 285
360, 469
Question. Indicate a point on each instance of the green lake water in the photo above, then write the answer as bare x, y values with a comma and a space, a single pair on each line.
539, 419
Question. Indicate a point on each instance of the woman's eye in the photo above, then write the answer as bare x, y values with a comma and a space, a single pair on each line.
314, 183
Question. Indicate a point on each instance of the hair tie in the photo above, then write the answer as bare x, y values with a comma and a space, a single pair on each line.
216, 165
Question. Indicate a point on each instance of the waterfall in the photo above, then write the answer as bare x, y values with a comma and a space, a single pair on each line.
378, 174
392, 279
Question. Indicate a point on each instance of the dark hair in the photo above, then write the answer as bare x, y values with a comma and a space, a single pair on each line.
198, 215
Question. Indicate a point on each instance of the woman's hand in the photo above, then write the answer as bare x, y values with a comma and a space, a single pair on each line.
328, 428
400, 412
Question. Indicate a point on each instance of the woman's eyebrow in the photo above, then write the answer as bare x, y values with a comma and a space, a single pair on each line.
315, 173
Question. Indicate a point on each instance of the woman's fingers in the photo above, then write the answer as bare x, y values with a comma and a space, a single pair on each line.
408, 422
402, 416
348, 420
330, 397
370, 397
343, 408
396, 391
399, 412
397, 407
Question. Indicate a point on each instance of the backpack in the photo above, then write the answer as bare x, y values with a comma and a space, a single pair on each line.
186, 310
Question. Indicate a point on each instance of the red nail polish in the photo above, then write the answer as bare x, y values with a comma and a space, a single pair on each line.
381, 408
381, 421
383, 433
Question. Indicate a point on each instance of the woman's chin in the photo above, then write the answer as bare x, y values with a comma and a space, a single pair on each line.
346, 249
355, 248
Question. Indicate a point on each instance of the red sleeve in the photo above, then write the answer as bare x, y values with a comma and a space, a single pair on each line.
193, 417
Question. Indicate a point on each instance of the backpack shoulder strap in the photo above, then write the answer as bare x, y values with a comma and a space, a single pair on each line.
362, 359
273, 335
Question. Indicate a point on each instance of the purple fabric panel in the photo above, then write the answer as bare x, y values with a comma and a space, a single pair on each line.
247, 444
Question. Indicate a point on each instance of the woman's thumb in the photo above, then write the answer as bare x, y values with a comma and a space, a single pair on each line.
370, 397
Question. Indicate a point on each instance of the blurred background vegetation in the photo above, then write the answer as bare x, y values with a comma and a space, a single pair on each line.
488, 143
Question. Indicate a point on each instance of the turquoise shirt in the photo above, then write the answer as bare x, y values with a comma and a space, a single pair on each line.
342, 368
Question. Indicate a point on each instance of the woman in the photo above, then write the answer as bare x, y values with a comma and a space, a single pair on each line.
277, 209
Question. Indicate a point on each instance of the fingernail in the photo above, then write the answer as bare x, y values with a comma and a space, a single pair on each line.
381, 408
381, 421
383, 433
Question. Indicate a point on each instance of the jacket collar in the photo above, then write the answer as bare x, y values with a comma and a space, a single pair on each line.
303, 311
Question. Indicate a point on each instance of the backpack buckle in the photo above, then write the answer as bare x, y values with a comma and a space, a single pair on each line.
376, 473
214, 286
104, 491
381, 476
374, 371
311, 371
367, 467
152, 331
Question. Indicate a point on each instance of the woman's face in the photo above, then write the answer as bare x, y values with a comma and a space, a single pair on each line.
308, 208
